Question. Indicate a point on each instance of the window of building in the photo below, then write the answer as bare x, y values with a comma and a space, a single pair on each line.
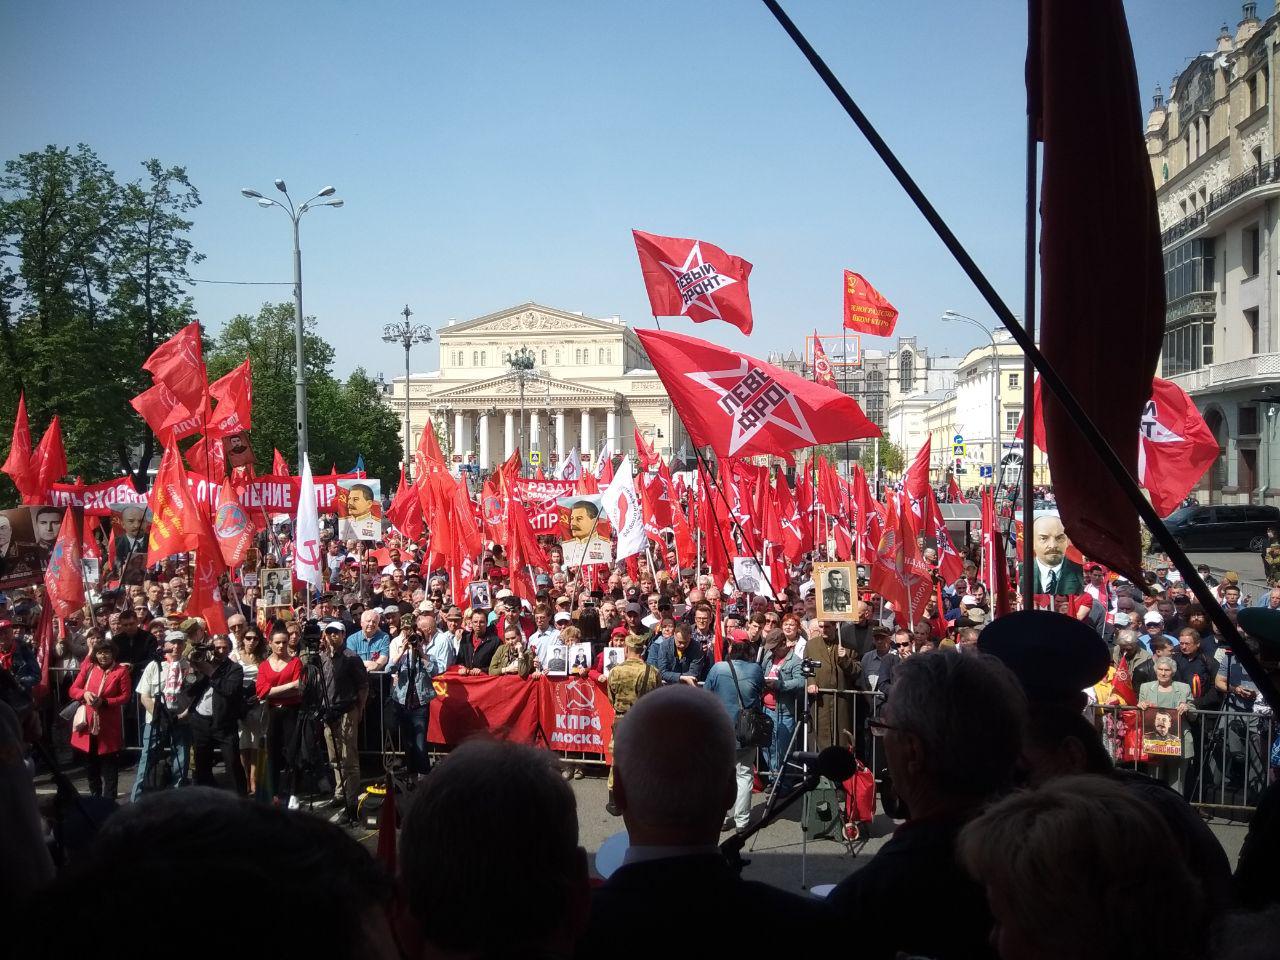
1248, 421
1015, 381
1257, 157
906, 371
484, 358
577, 357
1188, 345
544, 358
475, 358
1011, 418
601, 355
557, 358
608, 354
1251, 325
1188, 269
1251, 250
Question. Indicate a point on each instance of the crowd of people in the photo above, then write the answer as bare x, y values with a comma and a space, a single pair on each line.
948, 729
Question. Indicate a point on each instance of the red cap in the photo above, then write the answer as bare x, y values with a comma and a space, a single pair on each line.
737, 635
618, 632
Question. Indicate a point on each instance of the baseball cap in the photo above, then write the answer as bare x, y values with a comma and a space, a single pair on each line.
634, 608
1231, 577
1153, 617
968, 600
562, 617
1122, 619
175, 636
738, 635
334, 626
503, 594
977, 616
619, 632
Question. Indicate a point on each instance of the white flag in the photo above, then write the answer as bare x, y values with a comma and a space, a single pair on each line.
571, 466
621, 503
306, 550
606, 454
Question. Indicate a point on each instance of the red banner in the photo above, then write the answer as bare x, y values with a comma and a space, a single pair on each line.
539, 499
98, 499
562, 713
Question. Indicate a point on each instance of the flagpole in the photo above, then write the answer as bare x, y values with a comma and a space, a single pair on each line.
1030, 250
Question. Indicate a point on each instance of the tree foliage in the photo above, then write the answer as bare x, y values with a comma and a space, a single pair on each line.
344, 419
892, 459
92, 274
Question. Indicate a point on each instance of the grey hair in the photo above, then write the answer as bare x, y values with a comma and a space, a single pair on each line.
674, 753
1165, 662
969, 713
1127, 636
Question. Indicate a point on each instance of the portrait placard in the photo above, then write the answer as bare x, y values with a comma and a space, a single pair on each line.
1162, 732
834, 590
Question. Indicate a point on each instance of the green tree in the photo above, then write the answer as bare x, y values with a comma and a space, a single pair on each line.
344, 419
892, 459
91, 275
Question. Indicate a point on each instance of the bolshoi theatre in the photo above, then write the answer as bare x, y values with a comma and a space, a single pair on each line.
541, 379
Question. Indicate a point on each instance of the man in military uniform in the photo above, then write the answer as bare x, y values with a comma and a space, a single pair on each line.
838, 669
628, 682
835, 597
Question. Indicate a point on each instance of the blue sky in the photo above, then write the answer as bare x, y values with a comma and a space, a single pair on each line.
495, 152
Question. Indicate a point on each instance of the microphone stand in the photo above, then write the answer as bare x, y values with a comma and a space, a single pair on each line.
731, 849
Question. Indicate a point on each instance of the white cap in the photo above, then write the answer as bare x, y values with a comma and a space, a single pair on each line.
503, 594
650, 621
1153, 617
968, 600
562, 617
1122, 619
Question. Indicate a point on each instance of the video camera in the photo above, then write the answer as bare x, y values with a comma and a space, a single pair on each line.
201, 652
809, 668
309, 646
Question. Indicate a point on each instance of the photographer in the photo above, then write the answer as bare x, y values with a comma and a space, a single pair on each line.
163, 691
413, 691
217, 699
346, 689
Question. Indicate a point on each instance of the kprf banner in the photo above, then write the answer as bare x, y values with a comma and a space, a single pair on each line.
539, 498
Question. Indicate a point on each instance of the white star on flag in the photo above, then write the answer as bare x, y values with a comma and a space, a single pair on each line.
741, 436
694, 262
1151, 430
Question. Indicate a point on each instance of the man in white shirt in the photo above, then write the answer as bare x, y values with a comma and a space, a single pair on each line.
163, 689
544, 634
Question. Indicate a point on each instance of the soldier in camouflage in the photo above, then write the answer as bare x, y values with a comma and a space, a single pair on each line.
628, 682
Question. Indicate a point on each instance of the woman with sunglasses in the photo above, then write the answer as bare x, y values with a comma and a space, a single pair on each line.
279, 685
252, 649
104, 687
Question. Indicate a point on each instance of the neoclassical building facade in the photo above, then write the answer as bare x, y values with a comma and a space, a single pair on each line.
590, 380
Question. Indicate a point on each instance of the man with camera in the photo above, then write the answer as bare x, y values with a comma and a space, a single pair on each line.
217, 699
345, 683
164, 692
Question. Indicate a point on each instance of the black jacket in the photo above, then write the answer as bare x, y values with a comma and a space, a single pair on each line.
228, 694
1198, 673
733, 918
479, 657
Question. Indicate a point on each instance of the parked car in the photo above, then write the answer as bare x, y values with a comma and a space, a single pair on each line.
1223, 527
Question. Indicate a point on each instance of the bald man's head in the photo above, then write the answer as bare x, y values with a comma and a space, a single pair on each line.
674, 767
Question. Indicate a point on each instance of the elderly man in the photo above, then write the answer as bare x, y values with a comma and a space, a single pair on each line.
952, 733
371, 643
673, 779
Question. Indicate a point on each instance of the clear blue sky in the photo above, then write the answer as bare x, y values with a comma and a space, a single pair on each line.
495, 152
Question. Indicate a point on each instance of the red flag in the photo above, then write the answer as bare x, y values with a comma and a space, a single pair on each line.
954, 494
523, 552
232, 527
822, 370
165, 414
172, 509
694, 279
1122, 682
49, 462
279, 467
493, 511
208, 456
1098, 220
897, 573
865, 308
234, 396
995, 570
868, 516
950, 563
797, 538
64, 577
429, 456
405, 512
18, 463
538, 474
916, 480
644, 453
178, 363
741, 406
713, 520
205, 601
88, 542
46, 628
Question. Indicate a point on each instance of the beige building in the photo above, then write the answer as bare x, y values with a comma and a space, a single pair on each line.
588, 380
1212, 144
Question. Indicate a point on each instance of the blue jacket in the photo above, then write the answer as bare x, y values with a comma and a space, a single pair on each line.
418, 668
750, 682
662, 655
26, 670
790, 683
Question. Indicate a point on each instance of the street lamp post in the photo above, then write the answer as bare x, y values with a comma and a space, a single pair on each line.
295, 214
952, 316
521, 363
406, 334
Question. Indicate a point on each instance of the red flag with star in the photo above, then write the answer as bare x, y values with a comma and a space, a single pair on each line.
916, 481
865, 308
694, 279
822, 369
741, 407
63, 578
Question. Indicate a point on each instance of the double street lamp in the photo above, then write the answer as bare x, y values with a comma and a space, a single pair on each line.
522, 363
406, 334
952, 316
295, 214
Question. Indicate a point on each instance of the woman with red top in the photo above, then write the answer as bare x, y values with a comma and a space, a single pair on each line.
104, 687
279, 686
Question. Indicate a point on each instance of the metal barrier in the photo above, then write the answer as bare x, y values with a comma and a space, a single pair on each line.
1230, 763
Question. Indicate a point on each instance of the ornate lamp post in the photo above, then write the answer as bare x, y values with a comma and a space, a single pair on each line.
406, 334
521, 363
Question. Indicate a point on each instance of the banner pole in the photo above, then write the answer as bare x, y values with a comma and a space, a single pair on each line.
1030, 250
1048, 375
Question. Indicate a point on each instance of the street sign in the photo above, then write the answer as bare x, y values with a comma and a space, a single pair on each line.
984, 471
957, 449
961, 471
535, 457
958, 438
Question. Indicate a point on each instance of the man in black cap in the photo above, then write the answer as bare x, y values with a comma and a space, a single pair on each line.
1056, 657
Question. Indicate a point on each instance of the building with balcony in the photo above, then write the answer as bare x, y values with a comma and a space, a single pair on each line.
1212, 143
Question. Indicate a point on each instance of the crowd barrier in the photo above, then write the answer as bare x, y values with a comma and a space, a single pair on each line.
574, 718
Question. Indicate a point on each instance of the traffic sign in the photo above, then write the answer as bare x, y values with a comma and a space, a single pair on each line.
984, 471
957, 449
958, 438
535, 457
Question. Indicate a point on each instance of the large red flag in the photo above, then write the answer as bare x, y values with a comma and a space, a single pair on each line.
645, 453
954, 493
897, 572
995, 570
523, 552
713, 521
950, 563
797, 538
234, 396
822, 370
165, 414
232, 527
172, 509
1098, 220
88, 540
49, 462
429, 456
205, 601
405, 512
865, 308
868, 517
18, 463
178, 363
916, 481
740, 406
694, 279
64, 577
208, 456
